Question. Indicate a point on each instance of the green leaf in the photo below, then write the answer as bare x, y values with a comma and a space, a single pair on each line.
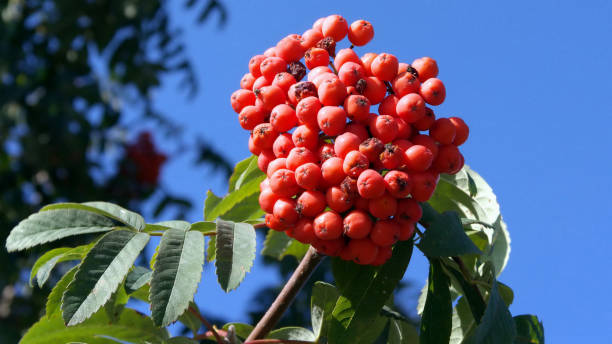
181, 340
176, 274
471, 293
401, 332
100, 273
165, 225
51, 225
292, 333
322, 303
506, 293
235, 252
205, 227
436, 321
445, 236
136, 278
363, 292
278, 245
497, 326
131, 327
45, 264
469, 194
115, 305
54, 300
190, 320
529, 329
242, 330
238, 205
211, 250
244, 171
113, 211
210, 203
463, 322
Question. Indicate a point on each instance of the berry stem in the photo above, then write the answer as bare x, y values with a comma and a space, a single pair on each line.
333, 67
208, 325
309, 263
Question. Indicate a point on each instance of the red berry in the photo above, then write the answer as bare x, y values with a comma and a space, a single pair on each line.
272, 66
385, 232
375, 90
388, 105
370, 184
443, 131
357, 129
335, 26
284, 80
267, 198
273, 223
357, 108
310, 37
398, 184
364, 251
391, 157
345, 143
423, 186
282, 183
462, 131
406, 229
306, 111
284, 211
383, 207
426, 121
332, 92
384, 253
283, 118
405, 83
426, 67
264, 158
355, 163
410, 107
303, 231
275, 165
332, 171
242, 98
316, 57
433, 91
345, 55
449, 160
299, 156
282, 145
311, 203
351, 72
384, 67
426, 141
308, 176
247, 82
418, 158
360, 32
326, 151
301, 90
270, 96
328, 225
254, 63
290, 48
303, 136
332, 120
357, 224
251, 116
338, 200
372, 148
408, 210
264, 135
329, 247
384, 128
366, 60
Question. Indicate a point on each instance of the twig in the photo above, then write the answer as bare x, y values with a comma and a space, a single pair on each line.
331, 64
309, 263
260, 226
208, 325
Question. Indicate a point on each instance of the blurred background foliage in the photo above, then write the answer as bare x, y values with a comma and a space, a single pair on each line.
74, 76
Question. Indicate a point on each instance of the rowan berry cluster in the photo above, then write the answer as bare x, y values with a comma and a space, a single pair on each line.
339, 177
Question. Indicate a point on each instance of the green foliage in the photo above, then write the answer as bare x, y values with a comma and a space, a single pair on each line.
278, 245
529, 329
235, 252
497, 326
176, 274
54, 301
292, 333
100, 273
113, 211
436, 321
401, 332
445, 236
137, 278
43, 266
322, 303
363, 293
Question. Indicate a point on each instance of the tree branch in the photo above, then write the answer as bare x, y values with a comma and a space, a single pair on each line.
208, 325
309, 263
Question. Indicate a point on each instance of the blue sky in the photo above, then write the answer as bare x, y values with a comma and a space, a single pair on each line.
533, 79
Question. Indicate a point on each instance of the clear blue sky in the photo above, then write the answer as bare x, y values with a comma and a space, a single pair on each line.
533, 79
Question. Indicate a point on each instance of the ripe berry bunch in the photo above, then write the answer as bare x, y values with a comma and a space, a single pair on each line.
340, 177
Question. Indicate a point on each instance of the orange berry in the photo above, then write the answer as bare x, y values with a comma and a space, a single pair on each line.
334, 26
384, 67
366, 60
426, 67
360, 32
433, 91
346, 55
290, 48
316, 57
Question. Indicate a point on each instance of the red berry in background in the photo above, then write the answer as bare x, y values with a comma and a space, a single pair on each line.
272, 66
448, 159
408, 210
426, 121
360, 32
328, 225
270, 96
443, 131
426, 67
264, 158
261, 82
385, 232
270, 52
388, 105
398, 184
310, 37
410, 108
372, 148
311, 203
318, 25
332, 171
267, 198
338, 200
370, 184
290, 48
351, 72
316, 57
247, 82
357, 224
254, 150
383, 207
375, 90
405, 83
282, 145
332, 120
345, 55
355, 163
307, 110
318, 71
275, 165
322, 77
282, 183
242, 98
284, 211
426, 141
304, 136
384, 67
418, 158
264, 136
345, 143
433, 91
384, 253
254, 63
423, 185
299, 156
284, 80
308, 176
404, 130
462, 131
364, 251
329, 247
332, 92
251, 116
303, 231
273, 223
335, 26
357, 129
366, 60
406, 230
384, 128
